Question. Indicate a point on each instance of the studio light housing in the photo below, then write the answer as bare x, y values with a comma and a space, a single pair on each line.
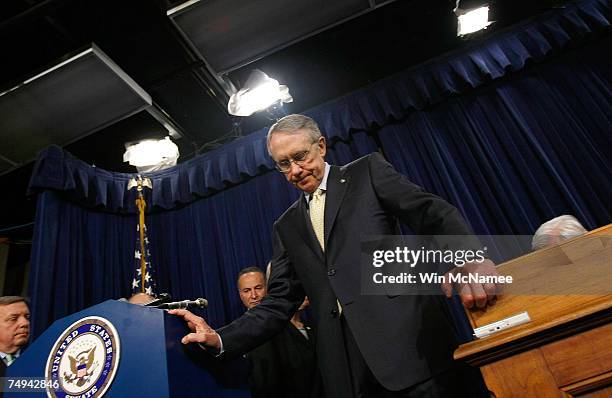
470, 21
258, 93
151, 155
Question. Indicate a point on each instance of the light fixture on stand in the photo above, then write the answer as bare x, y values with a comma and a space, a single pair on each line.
259, 93
471, 20
151, 155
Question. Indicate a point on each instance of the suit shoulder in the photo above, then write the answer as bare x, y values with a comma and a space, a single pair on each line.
361, 162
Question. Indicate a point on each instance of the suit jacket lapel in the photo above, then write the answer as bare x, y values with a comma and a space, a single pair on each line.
337, 183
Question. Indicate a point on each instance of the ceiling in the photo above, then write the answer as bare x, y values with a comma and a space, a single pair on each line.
127, 68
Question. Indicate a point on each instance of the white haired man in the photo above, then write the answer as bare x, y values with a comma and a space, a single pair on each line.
557, 230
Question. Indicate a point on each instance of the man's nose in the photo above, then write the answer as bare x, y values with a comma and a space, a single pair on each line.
294, 171
295, 168
24, 322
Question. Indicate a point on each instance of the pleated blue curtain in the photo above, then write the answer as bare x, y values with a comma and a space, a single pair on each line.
535, 147
80, 257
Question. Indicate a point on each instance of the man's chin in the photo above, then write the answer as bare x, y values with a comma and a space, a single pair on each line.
305, 187
21, 340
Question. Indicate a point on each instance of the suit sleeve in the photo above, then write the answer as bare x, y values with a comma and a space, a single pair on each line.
259, 324
424, 212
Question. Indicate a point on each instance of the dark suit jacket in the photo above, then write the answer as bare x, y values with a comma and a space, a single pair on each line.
2, 371
403, 339
285, 366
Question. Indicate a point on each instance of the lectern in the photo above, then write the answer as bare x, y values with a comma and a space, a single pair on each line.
125, 350
565, 349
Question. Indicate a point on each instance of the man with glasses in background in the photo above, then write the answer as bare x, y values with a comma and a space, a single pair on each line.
367, 345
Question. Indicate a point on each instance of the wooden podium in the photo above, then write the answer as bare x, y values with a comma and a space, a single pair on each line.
566, 348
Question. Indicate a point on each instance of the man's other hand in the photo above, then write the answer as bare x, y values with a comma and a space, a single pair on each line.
202, 333
474, 293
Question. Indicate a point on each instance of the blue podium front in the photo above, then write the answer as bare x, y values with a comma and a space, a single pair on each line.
121, 350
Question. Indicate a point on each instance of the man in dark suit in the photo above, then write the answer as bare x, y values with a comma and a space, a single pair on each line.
367, 345
284, 366
14, 329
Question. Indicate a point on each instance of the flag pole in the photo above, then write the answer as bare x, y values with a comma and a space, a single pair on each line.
141, 204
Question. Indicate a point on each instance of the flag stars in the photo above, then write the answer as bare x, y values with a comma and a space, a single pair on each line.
143, 276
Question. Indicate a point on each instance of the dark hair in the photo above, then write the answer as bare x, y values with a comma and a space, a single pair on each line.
6, 300
248, 270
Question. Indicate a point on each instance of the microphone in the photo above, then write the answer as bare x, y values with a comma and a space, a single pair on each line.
184, 305
161, 298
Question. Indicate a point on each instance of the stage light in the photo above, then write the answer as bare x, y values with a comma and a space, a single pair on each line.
151, 155
258, 93
470, 21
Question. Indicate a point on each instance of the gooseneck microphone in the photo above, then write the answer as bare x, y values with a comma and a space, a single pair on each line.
184, 305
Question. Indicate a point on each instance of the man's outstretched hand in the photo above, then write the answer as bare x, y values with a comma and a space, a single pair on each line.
202, 333
474, 293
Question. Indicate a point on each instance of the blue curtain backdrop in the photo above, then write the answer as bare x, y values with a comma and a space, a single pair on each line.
513, 130
519, 152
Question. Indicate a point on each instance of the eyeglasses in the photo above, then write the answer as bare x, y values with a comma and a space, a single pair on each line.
284, 166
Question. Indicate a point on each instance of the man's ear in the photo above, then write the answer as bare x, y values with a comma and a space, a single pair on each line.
322, 146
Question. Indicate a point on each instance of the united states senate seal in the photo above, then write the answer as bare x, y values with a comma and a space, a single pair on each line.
84, 359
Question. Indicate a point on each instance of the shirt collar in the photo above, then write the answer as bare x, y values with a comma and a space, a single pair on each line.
15, 354
323, 184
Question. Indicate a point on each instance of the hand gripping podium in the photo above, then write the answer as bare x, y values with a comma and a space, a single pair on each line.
124, 350
564, 349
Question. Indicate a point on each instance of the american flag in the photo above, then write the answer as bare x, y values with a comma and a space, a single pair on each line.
143, 281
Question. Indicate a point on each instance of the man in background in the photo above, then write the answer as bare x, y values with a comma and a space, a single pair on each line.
251, 286
557, 230
284, 366
14, 329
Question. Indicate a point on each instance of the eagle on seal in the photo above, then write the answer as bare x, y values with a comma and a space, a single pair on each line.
81, 366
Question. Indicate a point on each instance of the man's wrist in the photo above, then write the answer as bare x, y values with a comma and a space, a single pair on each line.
217, 352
